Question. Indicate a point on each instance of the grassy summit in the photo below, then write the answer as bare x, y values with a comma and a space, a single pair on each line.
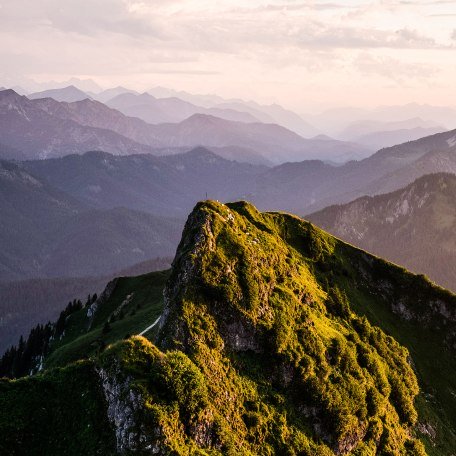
275, 338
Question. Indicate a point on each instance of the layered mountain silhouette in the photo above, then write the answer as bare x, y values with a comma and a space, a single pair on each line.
336, 120
268, 335
68, 94
168, 185
308, 186
44, 128
35, 133
45, 232
272, 113
367, 127
170, 110
381, 139
379, 135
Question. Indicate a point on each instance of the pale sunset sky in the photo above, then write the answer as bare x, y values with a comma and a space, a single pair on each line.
306, 55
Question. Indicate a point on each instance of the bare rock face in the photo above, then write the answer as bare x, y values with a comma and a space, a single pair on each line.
105, 295
123, 406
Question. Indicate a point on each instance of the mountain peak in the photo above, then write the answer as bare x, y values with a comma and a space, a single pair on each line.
263, 332
10, 95
202, 152
242, 293
68, 94
203, 117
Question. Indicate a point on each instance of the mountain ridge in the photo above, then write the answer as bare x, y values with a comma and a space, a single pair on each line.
246, 291
410, 226
44, 128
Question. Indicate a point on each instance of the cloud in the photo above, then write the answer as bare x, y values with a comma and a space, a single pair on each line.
393, 69
228, 45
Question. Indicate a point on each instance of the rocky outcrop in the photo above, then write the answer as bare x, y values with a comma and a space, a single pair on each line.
104, 297
123, 409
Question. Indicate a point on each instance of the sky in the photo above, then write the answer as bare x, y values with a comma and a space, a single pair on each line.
306, 55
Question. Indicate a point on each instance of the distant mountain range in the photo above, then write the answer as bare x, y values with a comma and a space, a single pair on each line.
381, 139
35, 133
163, 179
414, 226
164, 105
366, 127
44, 127
47, 233
272, 113
68, 94
378, 135
335, 120
167, 186
312, 185
169, 110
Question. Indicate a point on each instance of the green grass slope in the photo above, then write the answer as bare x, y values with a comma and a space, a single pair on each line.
274, 338
127, 307
414, 226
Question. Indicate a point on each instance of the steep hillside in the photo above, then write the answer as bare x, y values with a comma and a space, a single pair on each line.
267, 344
414, 226
69, 408
27, 303
44, 232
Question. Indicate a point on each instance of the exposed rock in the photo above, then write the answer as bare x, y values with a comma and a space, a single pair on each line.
124, 405
427, 429
105, 295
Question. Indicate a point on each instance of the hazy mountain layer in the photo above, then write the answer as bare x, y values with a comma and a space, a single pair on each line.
35, 133
45, 232
309, 186
66, 94
381, 139
369, 127
162, 110
169, 185
44, 128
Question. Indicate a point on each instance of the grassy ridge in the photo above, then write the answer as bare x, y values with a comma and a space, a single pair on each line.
134, 304
261, 284
277, 338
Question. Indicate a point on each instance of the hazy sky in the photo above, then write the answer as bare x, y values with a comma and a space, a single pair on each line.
303, 54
